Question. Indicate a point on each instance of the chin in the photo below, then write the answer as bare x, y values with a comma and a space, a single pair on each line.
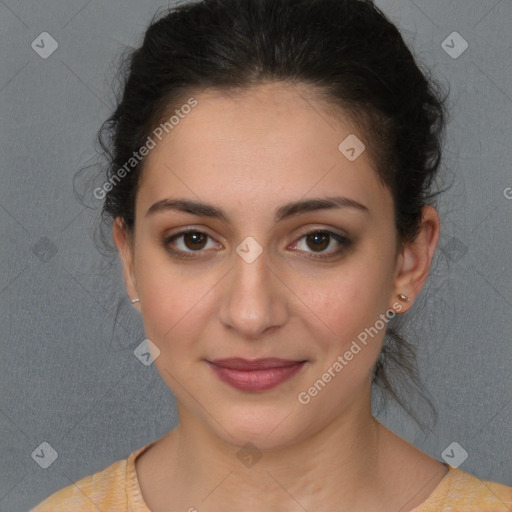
266, 427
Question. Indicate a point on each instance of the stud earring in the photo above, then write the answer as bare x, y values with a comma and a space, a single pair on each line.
403, 297
135, 300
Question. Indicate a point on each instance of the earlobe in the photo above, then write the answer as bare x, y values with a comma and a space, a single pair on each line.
416, 256
125, 247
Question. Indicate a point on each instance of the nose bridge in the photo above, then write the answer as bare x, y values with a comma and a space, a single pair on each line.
254, 299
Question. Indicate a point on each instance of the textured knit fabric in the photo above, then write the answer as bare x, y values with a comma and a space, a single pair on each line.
116, 489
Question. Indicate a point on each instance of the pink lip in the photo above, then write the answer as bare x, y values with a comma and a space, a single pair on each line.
256, 375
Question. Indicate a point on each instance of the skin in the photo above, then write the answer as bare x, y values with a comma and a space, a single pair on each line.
249, 154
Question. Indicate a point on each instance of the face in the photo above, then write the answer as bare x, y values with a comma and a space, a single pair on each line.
260, 281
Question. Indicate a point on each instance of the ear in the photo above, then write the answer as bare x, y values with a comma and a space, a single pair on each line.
415, 258
124, 244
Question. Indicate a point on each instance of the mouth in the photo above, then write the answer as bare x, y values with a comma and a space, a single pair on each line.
255, 375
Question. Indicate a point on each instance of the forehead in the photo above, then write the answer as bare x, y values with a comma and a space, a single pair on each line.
270, 141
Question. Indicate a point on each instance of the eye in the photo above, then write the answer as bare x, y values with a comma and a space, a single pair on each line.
320, 240
193, 241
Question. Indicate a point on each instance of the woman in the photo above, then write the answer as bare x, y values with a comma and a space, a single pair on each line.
270, 187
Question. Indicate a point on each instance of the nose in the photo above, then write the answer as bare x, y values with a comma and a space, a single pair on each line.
254, 301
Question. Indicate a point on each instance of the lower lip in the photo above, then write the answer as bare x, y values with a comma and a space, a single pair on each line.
256, 380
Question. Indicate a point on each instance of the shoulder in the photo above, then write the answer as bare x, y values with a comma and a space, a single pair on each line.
463, 491
107, 489
456, 491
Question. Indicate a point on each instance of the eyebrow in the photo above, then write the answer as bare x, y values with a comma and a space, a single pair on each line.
283, 212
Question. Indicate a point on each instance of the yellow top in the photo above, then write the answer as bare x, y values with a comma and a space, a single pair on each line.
116, 489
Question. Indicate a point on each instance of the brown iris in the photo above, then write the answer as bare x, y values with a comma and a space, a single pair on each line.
320, 240
197, 240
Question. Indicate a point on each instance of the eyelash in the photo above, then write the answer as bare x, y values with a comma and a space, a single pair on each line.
343, 241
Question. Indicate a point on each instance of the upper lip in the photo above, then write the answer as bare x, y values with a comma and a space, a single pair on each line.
238, 363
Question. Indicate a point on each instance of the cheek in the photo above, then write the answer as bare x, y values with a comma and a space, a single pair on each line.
169, 299
348, 300
348, 331
171, 307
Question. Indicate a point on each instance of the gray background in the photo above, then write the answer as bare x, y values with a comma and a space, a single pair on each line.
68, 374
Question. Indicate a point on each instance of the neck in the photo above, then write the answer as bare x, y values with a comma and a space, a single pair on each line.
338, 464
